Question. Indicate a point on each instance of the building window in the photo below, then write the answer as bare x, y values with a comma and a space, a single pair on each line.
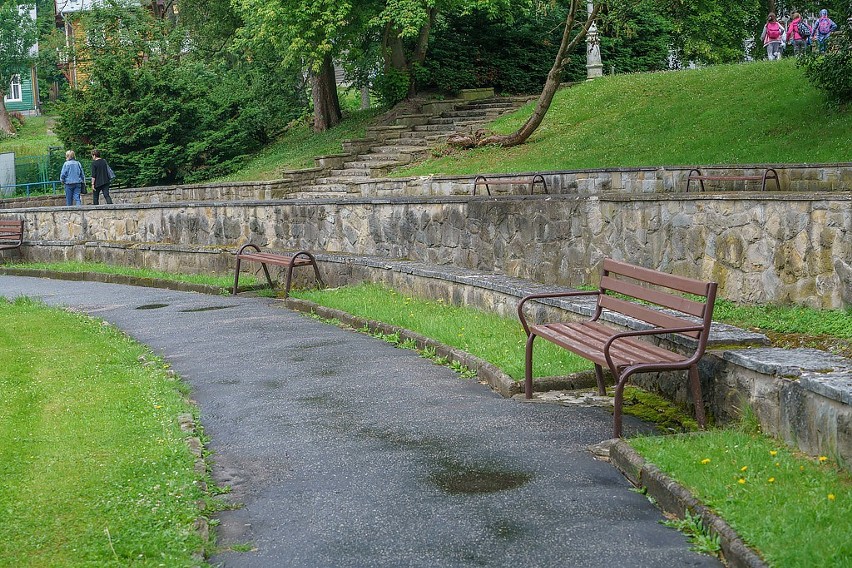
14, 94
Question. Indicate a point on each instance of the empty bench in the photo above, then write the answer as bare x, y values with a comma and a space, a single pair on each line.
11, 233
638, 293
288, 261
769, 173
531, 181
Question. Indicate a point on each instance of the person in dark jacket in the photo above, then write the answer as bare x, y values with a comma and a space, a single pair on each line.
100, 178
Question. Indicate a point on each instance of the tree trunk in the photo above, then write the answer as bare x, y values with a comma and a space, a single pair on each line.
324, 94
554, 77
420, 49
5, 119
394, 51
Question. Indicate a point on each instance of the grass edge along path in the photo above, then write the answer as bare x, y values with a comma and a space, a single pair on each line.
96, 466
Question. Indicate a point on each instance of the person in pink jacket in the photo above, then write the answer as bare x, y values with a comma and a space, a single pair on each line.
798, 34
772, 37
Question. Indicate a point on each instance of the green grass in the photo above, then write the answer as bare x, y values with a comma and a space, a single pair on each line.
95, 468
32, 139
501, 341
298, 147
786, 319
762, 112
223, 282
796, 511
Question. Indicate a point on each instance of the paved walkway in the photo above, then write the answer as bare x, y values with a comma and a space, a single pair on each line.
345, 451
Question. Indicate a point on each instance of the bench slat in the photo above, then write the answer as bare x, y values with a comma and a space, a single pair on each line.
657, 297
646, 314
671, 281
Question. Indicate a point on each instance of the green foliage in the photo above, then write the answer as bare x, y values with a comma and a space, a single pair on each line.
635, 36
390, 87
832, 71
160, 118
785, 319
702, 540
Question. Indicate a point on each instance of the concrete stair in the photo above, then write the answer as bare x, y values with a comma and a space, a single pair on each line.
362, 170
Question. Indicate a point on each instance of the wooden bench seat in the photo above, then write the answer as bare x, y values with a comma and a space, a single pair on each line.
663, 303
288, 261
531, 181
769, 173
11, 234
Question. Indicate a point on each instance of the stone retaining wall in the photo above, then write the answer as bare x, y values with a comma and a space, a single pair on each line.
759, 247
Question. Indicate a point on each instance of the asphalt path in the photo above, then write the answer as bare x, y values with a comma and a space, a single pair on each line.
342, 450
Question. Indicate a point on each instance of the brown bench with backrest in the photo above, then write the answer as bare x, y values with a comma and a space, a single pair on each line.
663, 304
488, 182
769, 173
11, 233
288, 261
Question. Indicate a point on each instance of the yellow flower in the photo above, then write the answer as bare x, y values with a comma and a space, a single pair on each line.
777, 464
773, 453
158, 406
771, 480
705, 461
743, 468
831, 497
823, 459
741, 481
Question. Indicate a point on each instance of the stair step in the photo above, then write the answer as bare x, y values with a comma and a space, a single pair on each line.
434, 128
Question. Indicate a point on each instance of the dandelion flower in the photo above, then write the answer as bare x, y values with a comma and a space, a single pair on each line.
773, 453
777, 464
741, 481
823, 459
743, 468
831, 497
705, 461
771, 480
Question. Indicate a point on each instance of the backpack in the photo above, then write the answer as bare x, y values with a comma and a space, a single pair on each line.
110, 173
803, 29
824, 26
773, 30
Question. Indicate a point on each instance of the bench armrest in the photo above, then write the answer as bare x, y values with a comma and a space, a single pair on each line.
656, 331
523, 301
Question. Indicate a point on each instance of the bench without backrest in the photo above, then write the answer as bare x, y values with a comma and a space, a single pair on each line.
769, 173
627, 352
11, 233
534, 179
288, 261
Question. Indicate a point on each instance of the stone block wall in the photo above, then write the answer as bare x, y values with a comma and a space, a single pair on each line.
760, 248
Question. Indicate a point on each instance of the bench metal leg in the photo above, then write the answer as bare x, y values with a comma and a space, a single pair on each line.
236, 277
528, 386
618, 403
695, 387
600, 379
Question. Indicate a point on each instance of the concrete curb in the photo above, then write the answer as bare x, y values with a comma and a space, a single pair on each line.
673, 498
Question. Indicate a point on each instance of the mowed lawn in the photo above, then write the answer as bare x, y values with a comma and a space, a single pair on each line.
95, 468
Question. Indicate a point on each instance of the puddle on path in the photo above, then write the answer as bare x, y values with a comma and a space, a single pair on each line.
466, 480
151, 306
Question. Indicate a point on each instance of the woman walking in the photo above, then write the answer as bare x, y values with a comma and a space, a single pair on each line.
73, 178
772, 37
798, 33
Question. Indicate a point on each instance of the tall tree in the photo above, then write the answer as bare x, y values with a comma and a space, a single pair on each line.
305, 31
18, 35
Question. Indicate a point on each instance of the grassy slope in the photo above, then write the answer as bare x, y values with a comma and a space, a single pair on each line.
33, 139
753, 113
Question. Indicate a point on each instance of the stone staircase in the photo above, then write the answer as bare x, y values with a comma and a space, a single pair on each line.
364, 164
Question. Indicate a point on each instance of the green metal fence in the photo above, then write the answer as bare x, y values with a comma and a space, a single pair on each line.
39, 175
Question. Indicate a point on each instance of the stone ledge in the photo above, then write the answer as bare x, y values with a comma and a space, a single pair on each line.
817, 371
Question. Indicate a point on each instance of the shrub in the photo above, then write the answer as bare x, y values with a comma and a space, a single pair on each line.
391, 87
831, 72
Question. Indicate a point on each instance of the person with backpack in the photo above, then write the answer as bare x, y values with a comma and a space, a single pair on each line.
823, 29
101, 176
772, 37
798, 33
73, 178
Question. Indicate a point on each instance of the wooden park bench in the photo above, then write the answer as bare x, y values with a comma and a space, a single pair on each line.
769, 173
11, 233
531, 181
638, 293
288, 261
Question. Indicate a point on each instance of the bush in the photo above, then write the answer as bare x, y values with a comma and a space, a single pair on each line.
390, 87
831, 72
